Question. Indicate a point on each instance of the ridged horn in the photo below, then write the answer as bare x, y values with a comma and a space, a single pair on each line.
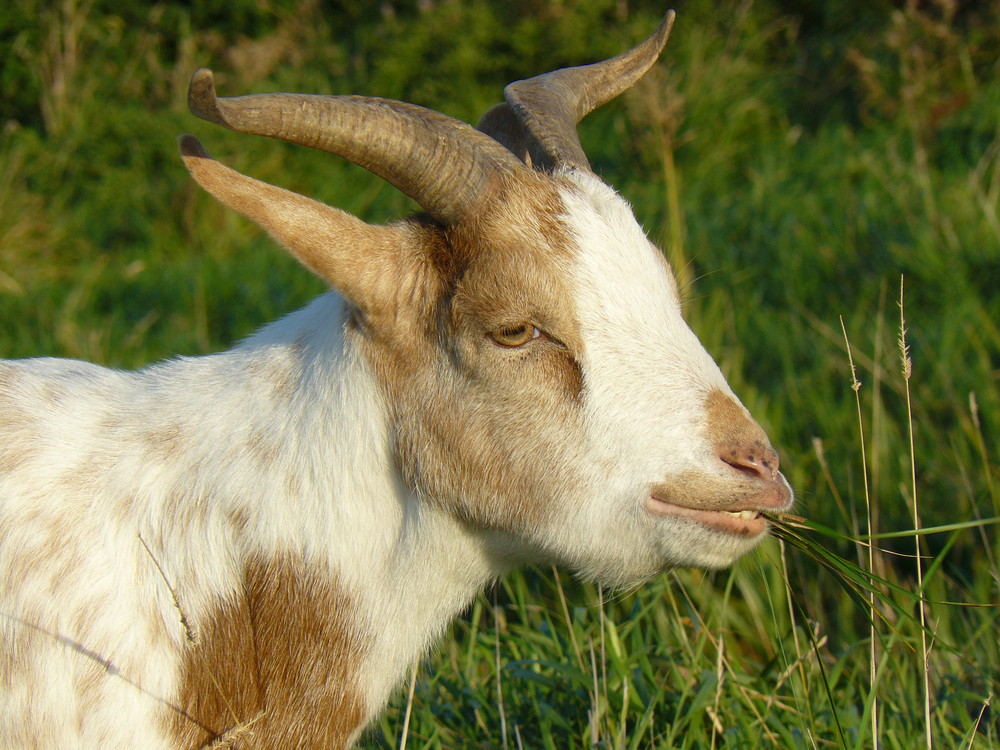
443, 164
549, 106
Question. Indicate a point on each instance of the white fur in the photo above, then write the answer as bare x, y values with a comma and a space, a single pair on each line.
412, 567
647, 377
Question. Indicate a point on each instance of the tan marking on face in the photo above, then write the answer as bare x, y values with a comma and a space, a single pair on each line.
730, 428
746, 476
482, 428
695, 489
280, 657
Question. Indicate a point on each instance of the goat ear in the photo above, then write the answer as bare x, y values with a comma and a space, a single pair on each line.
359, 260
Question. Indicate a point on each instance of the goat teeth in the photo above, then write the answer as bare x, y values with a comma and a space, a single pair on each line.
746, 515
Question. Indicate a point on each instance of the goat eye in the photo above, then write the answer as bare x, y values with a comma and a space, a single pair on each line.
514, 336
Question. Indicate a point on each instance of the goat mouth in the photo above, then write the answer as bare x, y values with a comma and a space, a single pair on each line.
746, 522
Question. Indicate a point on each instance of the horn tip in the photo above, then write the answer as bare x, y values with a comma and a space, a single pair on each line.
201, 95
663, 32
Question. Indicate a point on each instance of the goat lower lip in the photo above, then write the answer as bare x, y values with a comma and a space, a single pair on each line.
746, 522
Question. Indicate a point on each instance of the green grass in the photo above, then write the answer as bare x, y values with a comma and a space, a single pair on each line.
794, 166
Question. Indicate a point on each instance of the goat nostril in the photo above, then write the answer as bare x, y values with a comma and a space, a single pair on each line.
759, 463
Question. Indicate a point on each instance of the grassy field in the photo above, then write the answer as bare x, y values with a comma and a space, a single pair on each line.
823, 176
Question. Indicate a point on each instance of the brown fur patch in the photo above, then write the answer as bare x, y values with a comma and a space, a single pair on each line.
165, 441
262, 448
478, 427
277, 664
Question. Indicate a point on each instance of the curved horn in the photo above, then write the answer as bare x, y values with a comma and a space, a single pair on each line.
443, 164
550, 105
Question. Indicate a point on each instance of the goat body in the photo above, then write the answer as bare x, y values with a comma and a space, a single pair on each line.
252, 547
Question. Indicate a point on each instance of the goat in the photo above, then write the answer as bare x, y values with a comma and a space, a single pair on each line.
253, 547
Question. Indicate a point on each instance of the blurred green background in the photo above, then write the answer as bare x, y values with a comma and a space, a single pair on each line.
796, 160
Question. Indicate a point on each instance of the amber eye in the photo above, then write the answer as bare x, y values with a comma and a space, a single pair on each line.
514, 336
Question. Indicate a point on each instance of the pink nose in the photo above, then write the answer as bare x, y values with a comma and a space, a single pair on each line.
739, 441
757, 459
